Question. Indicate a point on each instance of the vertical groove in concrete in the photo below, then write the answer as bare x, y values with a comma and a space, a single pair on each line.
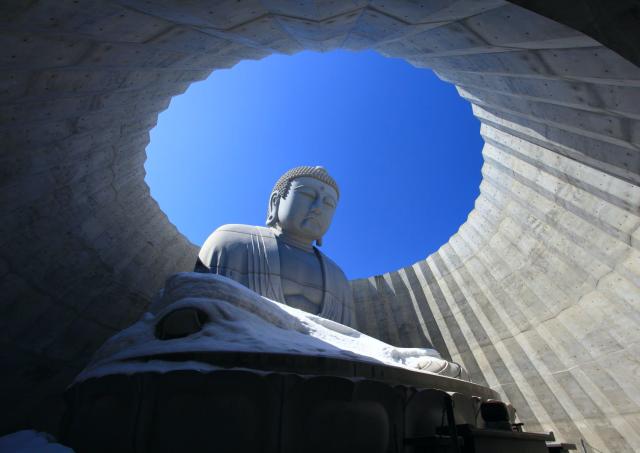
537, 294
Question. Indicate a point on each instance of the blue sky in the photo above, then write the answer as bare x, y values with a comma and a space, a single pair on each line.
403, 146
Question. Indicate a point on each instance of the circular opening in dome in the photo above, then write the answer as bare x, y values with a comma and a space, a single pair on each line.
403, 146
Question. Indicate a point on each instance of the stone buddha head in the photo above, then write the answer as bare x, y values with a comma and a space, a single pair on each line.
302, 204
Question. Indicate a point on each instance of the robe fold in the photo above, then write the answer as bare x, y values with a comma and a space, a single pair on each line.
249, 255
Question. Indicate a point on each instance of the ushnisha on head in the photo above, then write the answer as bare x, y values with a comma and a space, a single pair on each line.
302, 204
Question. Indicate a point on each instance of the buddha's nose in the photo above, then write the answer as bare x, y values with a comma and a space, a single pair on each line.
316, 207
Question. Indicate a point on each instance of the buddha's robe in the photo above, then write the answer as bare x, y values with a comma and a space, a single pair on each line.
249, 255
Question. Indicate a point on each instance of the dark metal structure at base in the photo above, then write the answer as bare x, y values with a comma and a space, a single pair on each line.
359, 408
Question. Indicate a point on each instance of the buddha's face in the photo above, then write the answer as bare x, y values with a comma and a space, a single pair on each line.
308, 208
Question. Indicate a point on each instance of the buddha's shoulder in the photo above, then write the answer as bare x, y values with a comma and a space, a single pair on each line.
242, 229
235, 233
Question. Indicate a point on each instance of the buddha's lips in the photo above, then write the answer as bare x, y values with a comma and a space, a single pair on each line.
317, 223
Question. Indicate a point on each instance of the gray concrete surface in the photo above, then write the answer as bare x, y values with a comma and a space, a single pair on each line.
537, 294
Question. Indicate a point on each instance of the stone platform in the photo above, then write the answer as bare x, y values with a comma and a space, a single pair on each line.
216, 367
285, 403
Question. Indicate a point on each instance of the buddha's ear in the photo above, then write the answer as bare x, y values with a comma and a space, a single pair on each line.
319, 242
272, 213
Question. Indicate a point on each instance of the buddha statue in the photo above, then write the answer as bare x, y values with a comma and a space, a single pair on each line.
259, 347
266, 290
280, 261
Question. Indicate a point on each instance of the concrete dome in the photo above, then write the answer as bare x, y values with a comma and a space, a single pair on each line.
538, 293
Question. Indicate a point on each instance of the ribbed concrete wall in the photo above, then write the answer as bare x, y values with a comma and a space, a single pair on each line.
537, 295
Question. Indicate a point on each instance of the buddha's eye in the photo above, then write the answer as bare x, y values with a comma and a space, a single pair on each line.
307, 194
329, 202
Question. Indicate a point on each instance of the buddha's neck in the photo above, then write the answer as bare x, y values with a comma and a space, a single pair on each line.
294, 241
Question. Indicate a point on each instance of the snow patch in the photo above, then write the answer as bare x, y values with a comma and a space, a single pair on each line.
29, 441
242, 321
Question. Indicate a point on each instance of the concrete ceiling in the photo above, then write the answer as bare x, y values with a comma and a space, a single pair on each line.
537, 295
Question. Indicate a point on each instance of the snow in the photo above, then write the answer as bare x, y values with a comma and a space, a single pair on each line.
243, 321
29, 441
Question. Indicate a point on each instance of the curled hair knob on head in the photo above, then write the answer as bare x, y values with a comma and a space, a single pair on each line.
317, 172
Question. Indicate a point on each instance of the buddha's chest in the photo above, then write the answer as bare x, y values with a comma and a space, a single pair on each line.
301, 275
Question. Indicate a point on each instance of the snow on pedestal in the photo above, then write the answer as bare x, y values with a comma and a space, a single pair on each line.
239, 320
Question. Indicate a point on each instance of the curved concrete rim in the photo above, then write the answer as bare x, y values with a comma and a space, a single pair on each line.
538, 292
